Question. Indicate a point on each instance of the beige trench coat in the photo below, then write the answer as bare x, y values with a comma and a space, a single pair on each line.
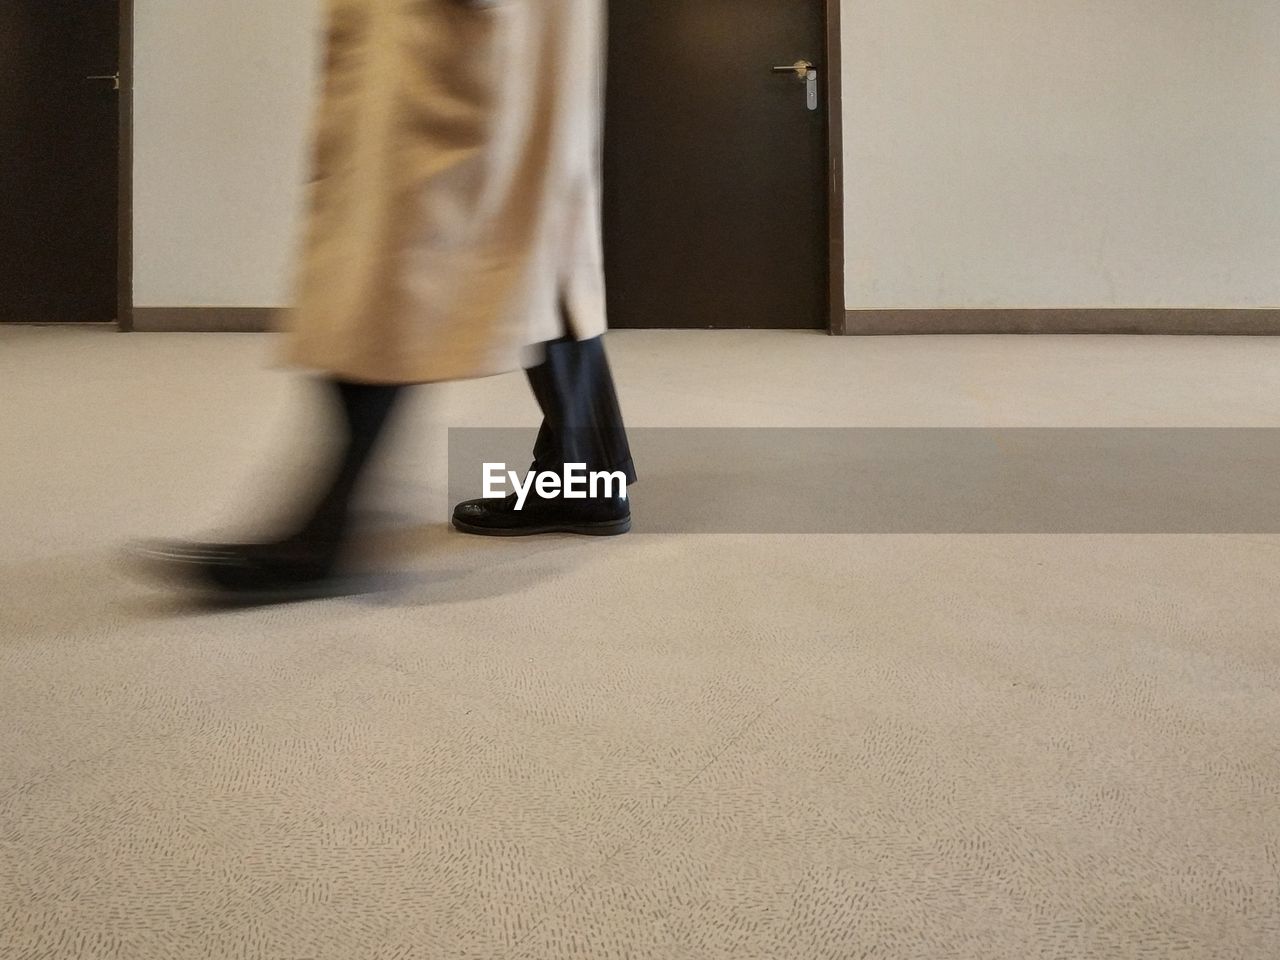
455, 202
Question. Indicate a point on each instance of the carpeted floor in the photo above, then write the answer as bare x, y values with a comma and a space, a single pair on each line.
668, 747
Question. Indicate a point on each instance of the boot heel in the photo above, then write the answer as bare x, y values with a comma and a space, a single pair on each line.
608, 528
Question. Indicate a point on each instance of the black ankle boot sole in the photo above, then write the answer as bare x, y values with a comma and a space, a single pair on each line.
194, 573
599, 528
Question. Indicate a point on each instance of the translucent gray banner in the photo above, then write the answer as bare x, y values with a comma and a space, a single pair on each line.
929, 480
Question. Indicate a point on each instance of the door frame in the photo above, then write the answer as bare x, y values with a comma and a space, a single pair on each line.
124, 210
835, 172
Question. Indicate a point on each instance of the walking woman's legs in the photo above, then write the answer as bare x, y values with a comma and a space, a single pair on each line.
304, 561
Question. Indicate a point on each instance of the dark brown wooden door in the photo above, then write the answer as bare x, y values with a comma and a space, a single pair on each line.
59, 160
715, 167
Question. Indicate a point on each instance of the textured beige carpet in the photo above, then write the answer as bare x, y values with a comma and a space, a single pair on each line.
666, 747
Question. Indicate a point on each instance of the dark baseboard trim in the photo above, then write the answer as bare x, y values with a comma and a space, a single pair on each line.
1180, 321
203, 319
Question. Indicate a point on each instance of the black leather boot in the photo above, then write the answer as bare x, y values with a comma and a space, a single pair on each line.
599, 517
307, 562
247, 573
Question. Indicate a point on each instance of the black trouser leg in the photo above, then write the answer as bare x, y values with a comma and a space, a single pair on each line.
365, 411
581, 424
581, 419
301, 563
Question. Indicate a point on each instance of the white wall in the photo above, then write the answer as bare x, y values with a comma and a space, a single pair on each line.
222, 99
1062, 153
1000, 153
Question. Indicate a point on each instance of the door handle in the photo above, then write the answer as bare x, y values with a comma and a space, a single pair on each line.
113, 77
805, 71
800, 68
